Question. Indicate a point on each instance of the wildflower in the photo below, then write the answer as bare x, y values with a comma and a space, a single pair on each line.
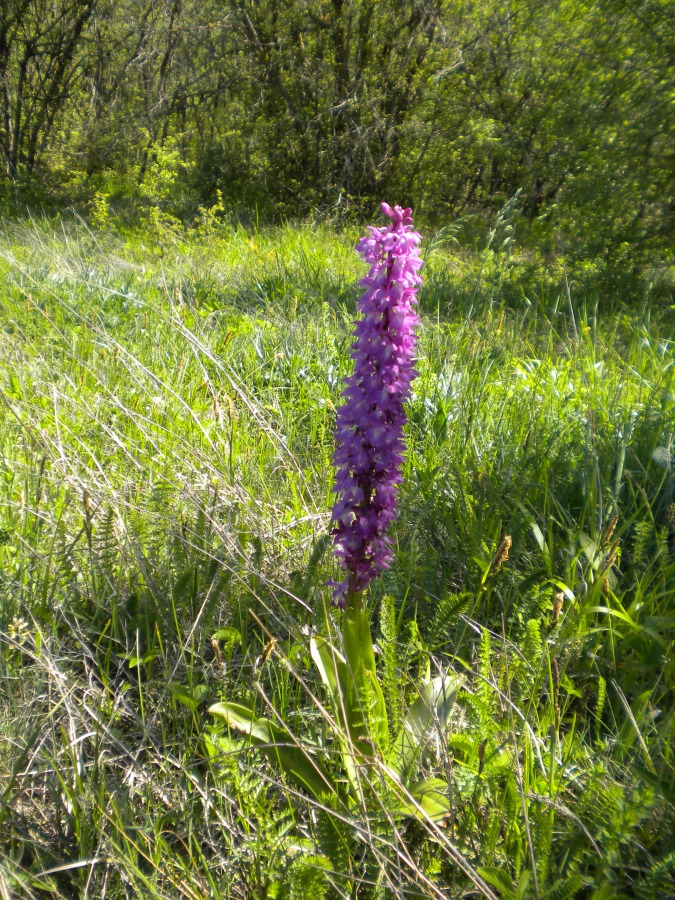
501, 555
369, 429
558, 602
610, 557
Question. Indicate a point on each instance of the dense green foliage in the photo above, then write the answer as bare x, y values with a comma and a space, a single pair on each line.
166, 413
170, 367
291, 108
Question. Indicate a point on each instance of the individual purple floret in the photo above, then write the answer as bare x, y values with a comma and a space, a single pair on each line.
369, 428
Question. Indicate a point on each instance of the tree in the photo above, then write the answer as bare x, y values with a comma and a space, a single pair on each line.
41, 63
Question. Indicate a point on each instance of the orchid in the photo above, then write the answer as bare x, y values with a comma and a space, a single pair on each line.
369, 428
378, 771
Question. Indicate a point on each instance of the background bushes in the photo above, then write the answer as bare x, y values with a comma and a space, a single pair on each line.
293, 109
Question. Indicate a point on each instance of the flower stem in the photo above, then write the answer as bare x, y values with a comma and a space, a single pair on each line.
354, 601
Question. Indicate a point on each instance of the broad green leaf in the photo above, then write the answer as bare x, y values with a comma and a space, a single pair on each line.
567, 685
135, 661
190, 698
365, 704
350, 708
431, 710
591, 549
617, 613
432, 796
331, 665
358, 644
608, 892
522, 889
278, 745
218, 744
541, 543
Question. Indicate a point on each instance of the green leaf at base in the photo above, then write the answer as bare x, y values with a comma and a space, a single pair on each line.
431, 800
431, 710
366, 706
279, 747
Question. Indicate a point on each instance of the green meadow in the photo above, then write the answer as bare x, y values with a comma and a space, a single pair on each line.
167, 404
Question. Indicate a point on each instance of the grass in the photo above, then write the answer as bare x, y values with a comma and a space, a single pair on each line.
166, 413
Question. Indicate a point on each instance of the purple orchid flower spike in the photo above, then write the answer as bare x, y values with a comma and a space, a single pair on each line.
369, 428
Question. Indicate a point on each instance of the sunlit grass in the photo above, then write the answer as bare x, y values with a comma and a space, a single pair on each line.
166, 425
